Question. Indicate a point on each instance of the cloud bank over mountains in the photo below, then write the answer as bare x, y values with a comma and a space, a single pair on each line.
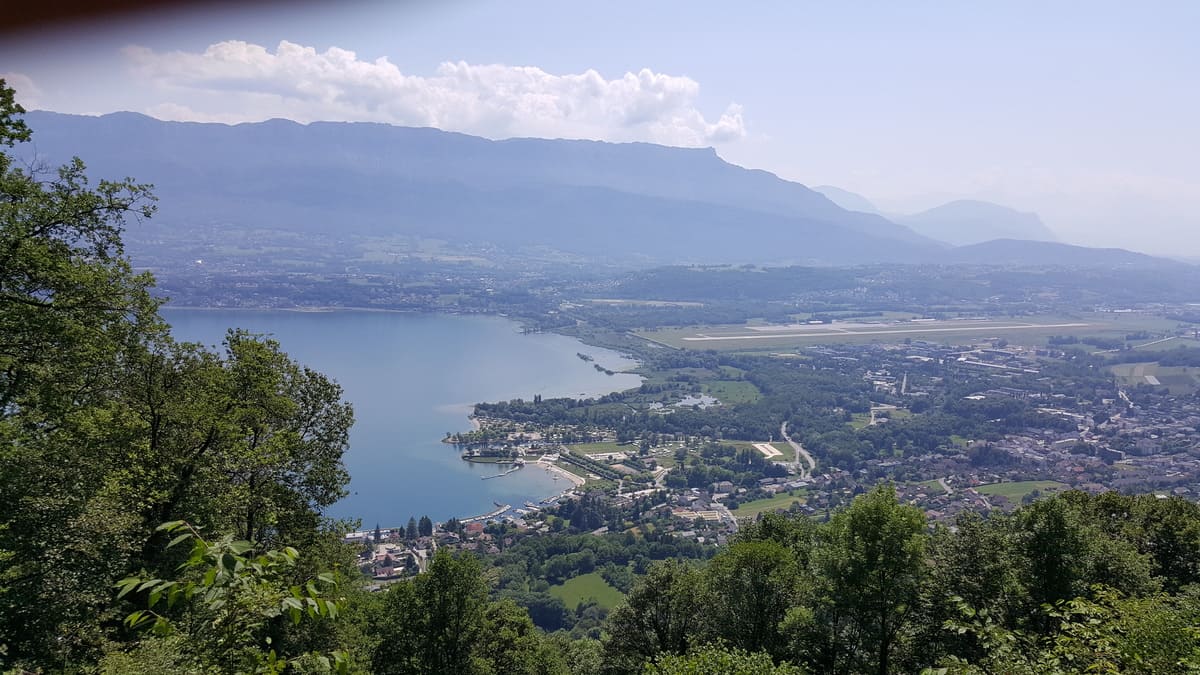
236, 81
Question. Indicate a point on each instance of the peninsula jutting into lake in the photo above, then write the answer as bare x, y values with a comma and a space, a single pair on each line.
413, 378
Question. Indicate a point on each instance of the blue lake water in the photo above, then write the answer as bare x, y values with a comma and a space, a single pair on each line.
412, 378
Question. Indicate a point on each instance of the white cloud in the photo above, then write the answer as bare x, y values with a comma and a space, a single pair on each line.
27, 93
240, 81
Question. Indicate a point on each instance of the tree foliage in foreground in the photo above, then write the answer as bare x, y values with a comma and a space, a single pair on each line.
1074, 583
108, 427
442, 623
228, 600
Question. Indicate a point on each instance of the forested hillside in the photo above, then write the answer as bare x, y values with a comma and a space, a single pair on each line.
163, 511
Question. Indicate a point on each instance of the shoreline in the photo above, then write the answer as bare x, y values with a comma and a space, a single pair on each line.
554, 471
577, 481
328, 309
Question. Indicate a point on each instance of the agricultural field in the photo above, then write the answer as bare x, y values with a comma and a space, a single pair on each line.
1179, 380
1166, 344
751, 509
732, 392
587, 587
1021, 330
933, 487
1015, 491
786, 454
603, 448
860, 421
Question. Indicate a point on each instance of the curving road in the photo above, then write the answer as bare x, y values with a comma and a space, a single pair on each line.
800, 452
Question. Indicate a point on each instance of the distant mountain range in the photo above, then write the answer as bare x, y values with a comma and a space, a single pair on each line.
958, 223
605, 200
1017, 252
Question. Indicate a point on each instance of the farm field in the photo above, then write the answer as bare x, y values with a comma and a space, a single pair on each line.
1178, 379
751, 509
1016, 490
587, 587
1163, 345
786, 454
602, 447
1021, 330
933, 486
732, 392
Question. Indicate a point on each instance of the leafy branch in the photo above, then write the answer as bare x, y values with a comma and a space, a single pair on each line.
239, 591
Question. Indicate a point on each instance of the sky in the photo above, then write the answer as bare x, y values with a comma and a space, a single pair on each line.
1085, 113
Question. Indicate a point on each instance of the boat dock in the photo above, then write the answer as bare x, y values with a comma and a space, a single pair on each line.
515, 467
501, 508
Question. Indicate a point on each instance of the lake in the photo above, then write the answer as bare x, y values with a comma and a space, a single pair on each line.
412, 378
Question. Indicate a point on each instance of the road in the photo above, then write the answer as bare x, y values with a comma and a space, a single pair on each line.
945, 486
727, 515
800, 452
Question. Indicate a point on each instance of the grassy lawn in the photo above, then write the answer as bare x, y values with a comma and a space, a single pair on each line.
788, 454
668, 460
751, 509
571, 468
859, 421
587, 587
933, 486
596, 448
1178, 379
1017, 490
732, 392
1158, 345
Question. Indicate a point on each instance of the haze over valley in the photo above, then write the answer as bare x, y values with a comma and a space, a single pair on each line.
606, 338
631, 204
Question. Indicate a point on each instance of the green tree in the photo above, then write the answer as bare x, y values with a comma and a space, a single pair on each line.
433, 623
71, 312
716, 660
69, 300
109, 427
750, 587
1169, 530
1104, 634
220, 609
510, 643
663, 612
870, 562
980, 562
1063, 549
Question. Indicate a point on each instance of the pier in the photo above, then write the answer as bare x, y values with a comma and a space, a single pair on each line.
487, 516
516, 467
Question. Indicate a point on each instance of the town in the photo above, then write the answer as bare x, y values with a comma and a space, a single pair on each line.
982, 426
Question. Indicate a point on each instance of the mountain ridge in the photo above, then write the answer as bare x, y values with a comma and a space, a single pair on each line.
607, 200
959, 222
969, 221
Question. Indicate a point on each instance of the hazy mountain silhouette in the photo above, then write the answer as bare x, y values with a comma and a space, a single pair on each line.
851, 201
968, 221
605, 200
1014, 252
958, 223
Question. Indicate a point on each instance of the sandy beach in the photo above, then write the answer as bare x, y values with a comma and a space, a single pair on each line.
554, 470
